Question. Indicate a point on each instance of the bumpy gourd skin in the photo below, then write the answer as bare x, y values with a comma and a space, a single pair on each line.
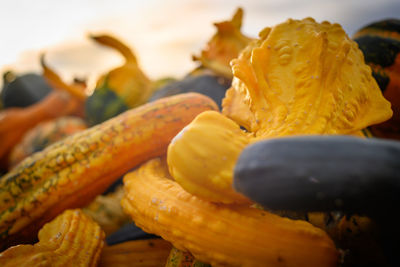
72, 239
222, 235
299, 78
303, 77
70, 173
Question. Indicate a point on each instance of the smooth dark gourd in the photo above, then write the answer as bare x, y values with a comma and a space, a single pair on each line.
24, 90
206, 84
128, 232
102, 105
321, 173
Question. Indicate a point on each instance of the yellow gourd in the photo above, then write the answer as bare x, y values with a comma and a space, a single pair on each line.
222, 235
299, 78
71, 239
218, 143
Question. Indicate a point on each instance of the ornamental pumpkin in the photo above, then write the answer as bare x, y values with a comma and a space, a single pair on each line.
23, 90
120, 89
300, 78
380, 43
202, 82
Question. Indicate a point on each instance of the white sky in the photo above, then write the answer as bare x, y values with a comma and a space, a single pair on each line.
163, 34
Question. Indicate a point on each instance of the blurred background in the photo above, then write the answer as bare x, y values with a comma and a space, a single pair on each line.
163, 34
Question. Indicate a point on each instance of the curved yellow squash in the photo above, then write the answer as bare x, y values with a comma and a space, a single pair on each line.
211, 145
222, 235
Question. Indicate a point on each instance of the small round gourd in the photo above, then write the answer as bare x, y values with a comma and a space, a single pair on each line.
24, 90
204, 83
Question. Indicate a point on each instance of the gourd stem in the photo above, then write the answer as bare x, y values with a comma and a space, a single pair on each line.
56, 82
117, 45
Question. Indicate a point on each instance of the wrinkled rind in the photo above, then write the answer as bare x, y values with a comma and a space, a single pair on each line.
303, 77
72, 239
70, 173
202, 156
298, 78
233, 235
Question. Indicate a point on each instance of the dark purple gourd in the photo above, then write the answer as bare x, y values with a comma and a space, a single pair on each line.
210, 85
24, 90
321, 173
128, 232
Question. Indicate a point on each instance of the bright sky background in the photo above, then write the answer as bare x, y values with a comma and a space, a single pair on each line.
163, 33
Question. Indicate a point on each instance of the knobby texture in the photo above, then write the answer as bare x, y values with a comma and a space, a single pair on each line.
70, 173
303, 77
299, 78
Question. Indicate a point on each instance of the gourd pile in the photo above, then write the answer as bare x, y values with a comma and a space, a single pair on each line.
275, 151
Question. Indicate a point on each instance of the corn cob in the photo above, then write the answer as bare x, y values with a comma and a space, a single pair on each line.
234, 235
70, 173
72, 239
